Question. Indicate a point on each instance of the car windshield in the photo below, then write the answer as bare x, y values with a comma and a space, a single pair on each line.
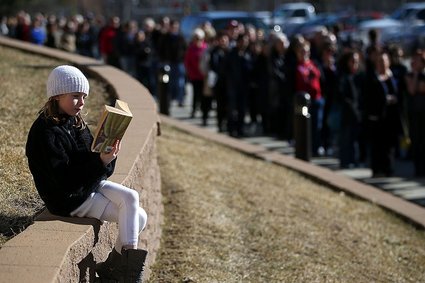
284, 13
221, 24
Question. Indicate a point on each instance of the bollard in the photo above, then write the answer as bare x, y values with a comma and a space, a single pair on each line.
302, 126
163, 95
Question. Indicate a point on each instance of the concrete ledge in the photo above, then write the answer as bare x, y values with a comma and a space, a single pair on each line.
61, 249
409, 211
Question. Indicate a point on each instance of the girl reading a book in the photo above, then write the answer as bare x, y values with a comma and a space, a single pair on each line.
72, 180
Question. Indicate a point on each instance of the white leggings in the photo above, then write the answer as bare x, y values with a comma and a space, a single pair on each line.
114, 202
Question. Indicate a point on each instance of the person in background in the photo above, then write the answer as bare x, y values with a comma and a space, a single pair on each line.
381, 110
232, 30
329, 81
143, 60
210, 77
217, 65
238, 71
159, 35
152, 63
192, 60
72, 180
277, 112
4, 29
415, 82
173, 46
53, 34
125, 46
11, 24
307, 79
291, 62
317, 40
107, 42
38, 31
85, 39
210, 32
97, 22
68, 39
259, 80
399, 70
372, 52
23, 27
347, 102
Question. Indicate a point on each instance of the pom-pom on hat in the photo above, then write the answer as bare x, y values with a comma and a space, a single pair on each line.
66, 79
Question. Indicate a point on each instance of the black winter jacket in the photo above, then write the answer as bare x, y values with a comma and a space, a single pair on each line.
64, 169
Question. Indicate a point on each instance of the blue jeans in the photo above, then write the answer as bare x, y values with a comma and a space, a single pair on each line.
316, 111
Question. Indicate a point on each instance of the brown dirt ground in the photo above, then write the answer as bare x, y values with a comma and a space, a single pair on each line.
232, 218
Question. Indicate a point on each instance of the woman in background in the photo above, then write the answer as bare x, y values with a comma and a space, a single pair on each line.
382, 113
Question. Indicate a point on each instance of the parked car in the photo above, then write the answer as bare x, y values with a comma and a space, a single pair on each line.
291, 15
220, 20
347, 21
405, 16
410, 39
321, 20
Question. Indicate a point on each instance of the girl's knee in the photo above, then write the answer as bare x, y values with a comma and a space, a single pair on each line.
131, 197
143, 219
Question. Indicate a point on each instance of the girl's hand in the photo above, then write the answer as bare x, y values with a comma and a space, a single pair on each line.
107, 157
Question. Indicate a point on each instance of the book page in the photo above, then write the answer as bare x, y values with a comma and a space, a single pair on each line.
122, 106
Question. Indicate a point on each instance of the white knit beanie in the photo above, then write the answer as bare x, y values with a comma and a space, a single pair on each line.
66, 79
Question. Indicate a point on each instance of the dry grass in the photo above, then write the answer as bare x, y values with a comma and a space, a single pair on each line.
228, 218
231, 218
22, 94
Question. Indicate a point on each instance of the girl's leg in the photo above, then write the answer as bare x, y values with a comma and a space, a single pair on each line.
116, 203
124, 209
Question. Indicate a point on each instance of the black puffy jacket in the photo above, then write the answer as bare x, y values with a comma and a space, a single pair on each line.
64, 169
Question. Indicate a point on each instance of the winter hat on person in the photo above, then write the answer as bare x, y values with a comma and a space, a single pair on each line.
66, 79
198, 33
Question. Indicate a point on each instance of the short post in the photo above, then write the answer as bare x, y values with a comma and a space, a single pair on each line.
302, 126
163, 95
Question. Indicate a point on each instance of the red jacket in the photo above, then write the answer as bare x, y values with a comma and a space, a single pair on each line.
307, 79
192, 60
106, 40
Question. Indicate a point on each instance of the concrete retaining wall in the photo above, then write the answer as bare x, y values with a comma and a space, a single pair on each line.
60, 249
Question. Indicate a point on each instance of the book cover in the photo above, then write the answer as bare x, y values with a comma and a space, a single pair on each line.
111, 126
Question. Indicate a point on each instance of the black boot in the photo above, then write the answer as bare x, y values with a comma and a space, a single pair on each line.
110, 270
133, 263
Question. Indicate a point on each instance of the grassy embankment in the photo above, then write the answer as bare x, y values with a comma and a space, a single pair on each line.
232, 218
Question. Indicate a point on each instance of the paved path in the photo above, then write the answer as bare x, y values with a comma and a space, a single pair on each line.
402, 184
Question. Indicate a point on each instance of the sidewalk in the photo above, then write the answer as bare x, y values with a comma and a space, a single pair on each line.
403, 184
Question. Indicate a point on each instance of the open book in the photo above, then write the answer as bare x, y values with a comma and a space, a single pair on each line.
111, 127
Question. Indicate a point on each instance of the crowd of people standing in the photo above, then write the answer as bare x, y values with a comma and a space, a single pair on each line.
365, 102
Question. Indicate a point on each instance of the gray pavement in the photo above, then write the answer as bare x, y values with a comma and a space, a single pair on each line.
403, 184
